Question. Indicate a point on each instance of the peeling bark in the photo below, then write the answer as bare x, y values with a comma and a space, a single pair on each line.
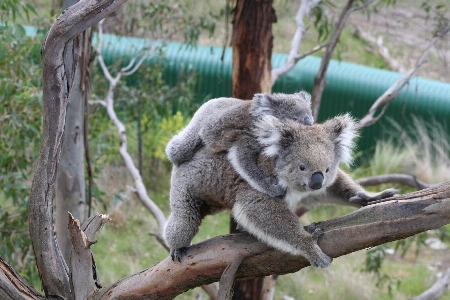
82, 274
13, 286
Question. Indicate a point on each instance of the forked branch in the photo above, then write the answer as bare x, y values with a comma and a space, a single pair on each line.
383, 101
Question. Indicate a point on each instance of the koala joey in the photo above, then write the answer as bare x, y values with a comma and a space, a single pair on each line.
225, 124
304, 158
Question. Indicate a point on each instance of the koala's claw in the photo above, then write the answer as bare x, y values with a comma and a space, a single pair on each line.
177, 254
314, 230
363, 199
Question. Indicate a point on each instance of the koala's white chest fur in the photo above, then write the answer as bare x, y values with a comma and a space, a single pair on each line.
293, 197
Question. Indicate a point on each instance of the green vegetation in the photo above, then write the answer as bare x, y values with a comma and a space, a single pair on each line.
158, 111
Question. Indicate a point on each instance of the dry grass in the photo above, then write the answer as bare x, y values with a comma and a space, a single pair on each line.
421, 150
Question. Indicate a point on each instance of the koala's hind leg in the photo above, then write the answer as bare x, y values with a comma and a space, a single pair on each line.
183, 222
271, 221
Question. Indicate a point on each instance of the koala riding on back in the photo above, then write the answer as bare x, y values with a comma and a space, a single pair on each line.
225, 124
306, 161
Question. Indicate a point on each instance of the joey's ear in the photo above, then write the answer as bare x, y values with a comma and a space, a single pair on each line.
343, 132
262, 105
305, 96
272, 134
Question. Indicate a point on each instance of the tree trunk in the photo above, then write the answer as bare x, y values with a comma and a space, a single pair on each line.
57, 79
252, 43
70, 183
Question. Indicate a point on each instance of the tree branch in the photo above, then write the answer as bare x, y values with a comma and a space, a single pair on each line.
392, 92
394, 178
381, 49
109, 103
305, 7
13, 286
56, 88
319, 80
437, 289
401, 217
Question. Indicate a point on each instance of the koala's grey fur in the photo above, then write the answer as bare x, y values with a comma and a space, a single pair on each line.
296, 154
225, 124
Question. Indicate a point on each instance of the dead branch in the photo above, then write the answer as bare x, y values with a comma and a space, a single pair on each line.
81, 274
394, 178
109, 104
392, 92
382, 50
305, 7
402, 216
437, 289
57, 81
319, 80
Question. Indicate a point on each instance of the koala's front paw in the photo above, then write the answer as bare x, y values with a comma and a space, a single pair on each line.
177, 254
321, 260
273, 189
363, 199
314, 230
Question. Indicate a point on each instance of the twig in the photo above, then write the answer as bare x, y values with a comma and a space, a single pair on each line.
305, 7
396, 87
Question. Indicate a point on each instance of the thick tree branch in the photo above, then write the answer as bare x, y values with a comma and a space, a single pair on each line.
401, 217
56, 88
392, 92
13, 286
305, 7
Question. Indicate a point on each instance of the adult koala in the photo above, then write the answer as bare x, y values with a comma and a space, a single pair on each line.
306, 161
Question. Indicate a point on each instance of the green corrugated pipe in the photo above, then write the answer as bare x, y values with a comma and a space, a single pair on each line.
350, 88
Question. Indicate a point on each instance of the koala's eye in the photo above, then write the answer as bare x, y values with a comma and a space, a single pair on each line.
295, 119
328, 169
302, 168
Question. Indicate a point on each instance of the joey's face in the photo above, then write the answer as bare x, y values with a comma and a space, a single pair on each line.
298, 111
309, 162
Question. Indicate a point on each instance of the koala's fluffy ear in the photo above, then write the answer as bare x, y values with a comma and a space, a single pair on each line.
272, 134
262, 105
343, 132
305, 96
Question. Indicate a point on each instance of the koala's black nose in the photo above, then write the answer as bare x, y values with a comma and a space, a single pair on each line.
316, 181
307, 121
